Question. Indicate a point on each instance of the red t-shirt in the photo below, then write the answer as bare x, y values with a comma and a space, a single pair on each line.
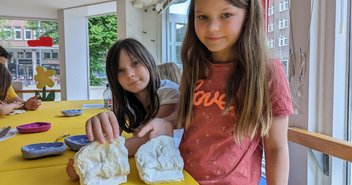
208, 148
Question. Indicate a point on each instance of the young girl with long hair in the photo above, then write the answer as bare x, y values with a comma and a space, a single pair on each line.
5, 82
170, 71
140, 98
234, 101
32, 103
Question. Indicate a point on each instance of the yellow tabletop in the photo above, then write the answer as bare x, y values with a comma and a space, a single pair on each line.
50, 170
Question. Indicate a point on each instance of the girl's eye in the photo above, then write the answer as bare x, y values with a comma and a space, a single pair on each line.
135, 63
226, 15
119, 71
202, 17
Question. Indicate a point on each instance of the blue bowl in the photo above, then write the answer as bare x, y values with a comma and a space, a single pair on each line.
76, 142
74, 112
38, 150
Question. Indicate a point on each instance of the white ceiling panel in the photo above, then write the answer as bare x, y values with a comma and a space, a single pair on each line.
43, 9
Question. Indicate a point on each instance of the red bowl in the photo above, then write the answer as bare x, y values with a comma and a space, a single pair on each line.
33, 127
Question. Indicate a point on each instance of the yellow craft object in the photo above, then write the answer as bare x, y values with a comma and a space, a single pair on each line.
43, 77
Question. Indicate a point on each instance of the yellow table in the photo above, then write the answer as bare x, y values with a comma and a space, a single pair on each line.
50, 170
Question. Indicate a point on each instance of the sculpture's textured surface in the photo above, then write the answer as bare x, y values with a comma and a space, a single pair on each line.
103, 164
159, 160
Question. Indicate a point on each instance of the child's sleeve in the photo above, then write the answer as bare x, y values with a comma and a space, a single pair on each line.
279, 90
168, 92
11, 93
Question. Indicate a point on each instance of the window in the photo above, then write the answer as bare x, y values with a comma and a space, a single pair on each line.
20, 54
270, 43
270, 27
55, 55
283, 5
285, 64
47, 55
283, 23
283, 41
18, 33
176, 27
271, 11
28, 55
27, 34
7, 33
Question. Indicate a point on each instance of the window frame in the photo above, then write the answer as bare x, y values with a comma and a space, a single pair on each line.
270, 27
283, 5
271, 10
171, 20
17, 29
8, 34
283, 40
283, 23
28, 31
271, 43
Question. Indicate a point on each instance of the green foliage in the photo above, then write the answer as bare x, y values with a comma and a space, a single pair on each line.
44, 28
3, 23
102, 34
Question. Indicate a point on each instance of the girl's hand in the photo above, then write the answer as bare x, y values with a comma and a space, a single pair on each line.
102, 125
157, 127
33, 103
16, 104
70, 170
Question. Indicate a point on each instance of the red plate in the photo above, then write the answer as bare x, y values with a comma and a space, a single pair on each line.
33, 127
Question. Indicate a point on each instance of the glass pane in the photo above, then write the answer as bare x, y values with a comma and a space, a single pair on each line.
178, 57
177, 21
180, 32
278, 30
25, 59
102, 34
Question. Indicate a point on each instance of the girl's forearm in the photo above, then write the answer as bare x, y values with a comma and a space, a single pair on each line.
277, 166
6, 108
132, 144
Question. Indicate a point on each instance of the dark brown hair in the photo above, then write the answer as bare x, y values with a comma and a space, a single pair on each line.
5, 81
129, 111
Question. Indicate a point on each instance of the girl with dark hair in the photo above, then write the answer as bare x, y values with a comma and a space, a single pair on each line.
5, 82
32, 103
140, 99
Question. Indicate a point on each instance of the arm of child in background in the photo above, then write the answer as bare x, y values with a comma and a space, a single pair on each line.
276, 152
6, 108
32, 103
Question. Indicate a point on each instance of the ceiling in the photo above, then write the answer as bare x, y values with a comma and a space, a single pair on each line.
43, 9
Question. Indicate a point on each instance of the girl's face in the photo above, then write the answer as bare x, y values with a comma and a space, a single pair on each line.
3, 60
218, 26
133, 74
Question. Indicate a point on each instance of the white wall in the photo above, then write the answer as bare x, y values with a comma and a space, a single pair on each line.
145, 26
74, 54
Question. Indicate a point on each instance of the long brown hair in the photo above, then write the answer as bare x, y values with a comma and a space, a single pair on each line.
129, 111
247, 87
5, 81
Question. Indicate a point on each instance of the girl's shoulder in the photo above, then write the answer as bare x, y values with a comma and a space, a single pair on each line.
275, 69
168, 92
168, 84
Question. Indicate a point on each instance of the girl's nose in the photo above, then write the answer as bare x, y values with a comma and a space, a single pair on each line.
131, 74
214, 25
